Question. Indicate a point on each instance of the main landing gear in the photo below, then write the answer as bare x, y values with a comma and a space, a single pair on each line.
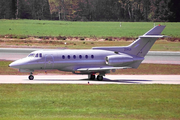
93, 77
31, 77
99, 77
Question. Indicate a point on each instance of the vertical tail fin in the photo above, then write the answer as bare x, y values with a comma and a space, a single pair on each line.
143, 44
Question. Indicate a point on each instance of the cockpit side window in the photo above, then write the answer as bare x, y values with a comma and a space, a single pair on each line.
36, 55
40, 55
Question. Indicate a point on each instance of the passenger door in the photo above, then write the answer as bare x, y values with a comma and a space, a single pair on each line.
49, 62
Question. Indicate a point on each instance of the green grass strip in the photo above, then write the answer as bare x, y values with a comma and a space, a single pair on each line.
42, 101
82, 29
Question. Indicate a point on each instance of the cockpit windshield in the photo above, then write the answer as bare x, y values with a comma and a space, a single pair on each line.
35, 55
31, 55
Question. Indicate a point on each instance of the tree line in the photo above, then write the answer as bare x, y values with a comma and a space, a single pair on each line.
91, 10
24, 9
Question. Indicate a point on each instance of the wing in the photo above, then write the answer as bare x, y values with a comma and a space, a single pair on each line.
99, 69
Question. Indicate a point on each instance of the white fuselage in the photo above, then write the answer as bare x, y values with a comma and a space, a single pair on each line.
63, 60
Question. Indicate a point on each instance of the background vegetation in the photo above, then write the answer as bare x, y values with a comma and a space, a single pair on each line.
92, 10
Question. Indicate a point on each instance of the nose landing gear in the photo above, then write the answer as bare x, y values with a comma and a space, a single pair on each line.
31, 77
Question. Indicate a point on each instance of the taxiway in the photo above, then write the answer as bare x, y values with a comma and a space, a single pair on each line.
82, 79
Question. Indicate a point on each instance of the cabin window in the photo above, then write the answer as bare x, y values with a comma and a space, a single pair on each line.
69, 57
74, 56
80, 56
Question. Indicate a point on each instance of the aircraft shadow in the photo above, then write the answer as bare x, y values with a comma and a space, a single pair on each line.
121, 80
127, 81
131, 81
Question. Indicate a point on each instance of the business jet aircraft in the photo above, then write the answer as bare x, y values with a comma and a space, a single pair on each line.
100, 60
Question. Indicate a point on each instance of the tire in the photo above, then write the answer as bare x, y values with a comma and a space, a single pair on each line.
99, 78
92, 77
31, 77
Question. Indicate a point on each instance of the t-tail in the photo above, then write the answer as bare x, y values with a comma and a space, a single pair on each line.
143, 44
140, 47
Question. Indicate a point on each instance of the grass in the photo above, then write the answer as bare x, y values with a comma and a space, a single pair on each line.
25, 28
164, 69
60, 44
89, 101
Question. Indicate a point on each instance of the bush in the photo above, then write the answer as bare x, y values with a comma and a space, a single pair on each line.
82, 38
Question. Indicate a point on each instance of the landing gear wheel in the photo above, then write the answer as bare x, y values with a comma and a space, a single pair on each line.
31, 77
92, 77
99, 77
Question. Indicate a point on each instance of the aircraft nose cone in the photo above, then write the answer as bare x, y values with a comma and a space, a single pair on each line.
13, 64
16, 64
19, 63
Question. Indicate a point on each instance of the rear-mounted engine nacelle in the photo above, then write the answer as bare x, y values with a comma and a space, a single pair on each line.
115, 60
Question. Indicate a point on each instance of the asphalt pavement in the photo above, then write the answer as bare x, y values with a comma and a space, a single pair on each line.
82, 79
